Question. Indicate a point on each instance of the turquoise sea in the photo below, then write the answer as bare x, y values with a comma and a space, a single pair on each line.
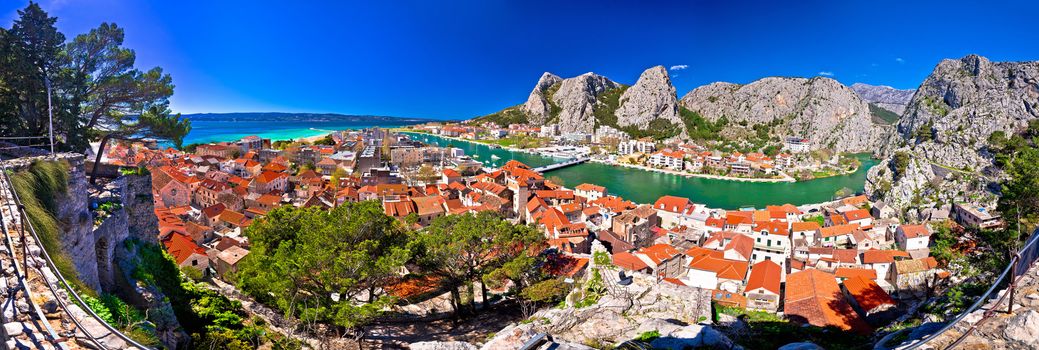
278, 126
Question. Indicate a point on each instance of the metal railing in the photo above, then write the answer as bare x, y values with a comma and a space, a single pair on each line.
26, 223
1017, 267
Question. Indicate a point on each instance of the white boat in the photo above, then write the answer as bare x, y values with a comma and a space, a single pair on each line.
495, 156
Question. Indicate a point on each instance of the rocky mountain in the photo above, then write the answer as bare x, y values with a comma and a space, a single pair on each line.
886, 97
584, 102
652, 97
575, 98
941, 140
822, 110
537, 107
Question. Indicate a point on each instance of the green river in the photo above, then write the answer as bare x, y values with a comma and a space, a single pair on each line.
643, 186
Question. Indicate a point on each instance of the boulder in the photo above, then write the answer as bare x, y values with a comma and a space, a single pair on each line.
1023, 328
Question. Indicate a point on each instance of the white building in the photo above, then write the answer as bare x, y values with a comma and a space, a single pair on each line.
633, 146
797, 145
674, 160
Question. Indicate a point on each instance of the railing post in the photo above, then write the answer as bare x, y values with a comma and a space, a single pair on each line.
1013, 281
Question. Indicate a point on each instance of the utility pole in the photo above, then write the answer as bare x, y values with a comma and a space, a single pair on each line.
50, 110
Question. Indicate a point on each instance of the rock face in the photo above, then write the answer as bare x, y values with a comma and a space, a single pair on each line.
948, 122
575, 98
964, 101
537, 107
822, 110
886, 97
652, 97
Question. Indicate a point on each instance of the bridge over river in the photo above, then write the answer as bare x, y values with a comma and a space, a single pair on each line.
560, 165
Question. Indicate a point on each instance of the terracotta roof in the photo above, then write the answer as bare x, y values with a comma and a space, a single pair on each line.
398, 208
628, 261
915, 265
214, 210
850, 256
429, 205
268, 176
590, 188
659, 253
742, 244
773, 228
696, 253
914, 231
788, 208
181, 247
671, 203
867, 293
858, 214
850, 272
875, 256
804, 226
838, 230
813, 297
855, 201
765, 274
723, 268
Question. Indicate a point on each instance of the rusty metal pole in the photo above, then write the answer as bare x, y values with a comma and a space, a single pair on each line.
1013, 281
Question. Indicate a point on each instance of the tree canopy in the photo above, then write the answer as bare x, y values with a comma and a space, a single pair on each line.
325, 265
461, 249
95, 85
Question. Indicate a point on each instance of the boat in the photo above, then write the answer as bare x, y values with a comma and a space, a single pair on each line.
495, 156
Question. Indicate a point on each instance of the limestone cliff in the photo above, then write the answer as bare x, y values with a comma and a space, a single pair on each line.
651, 98
945, 129
575, 98
822, 110
537, 107
886, 97
571, 103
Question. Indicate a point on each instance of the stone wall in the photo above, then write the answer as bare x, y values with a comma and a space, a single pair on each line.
92, 250
73, 214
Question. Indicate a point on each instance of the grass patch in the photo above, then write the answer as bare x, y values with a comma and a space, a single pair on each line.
511, 115
881, 115
38, 187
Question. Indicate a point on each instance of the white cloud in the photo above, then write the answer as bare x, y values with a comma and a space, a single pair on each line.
826, 74
899, 60
679, 67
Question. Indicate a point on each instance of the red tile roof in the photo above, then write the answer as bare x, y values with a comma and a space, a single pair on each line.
914, 231
813, 297
765, 274
671, 203
629, 261
868, 294
659, 253
181, 247
850, 272
723, 268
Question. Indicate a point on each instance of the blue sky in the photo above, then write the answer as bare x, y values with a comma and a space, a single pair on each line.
459, 59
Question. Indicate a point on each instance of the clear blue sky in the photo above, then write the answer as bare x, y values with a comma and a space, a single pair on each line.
460, 59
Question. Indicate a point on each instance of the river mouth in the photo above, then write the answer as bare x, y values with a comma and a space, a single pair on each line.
643, 186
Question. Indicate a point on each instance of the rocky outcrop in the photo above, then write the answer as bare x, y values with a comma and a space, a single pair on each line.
886, 97
652, 97
575, 99
964, 101
537, 107
822, 110
949, 120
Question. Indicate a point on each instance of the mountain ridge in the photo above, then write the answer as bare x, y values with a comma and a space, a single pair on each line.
348, 117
